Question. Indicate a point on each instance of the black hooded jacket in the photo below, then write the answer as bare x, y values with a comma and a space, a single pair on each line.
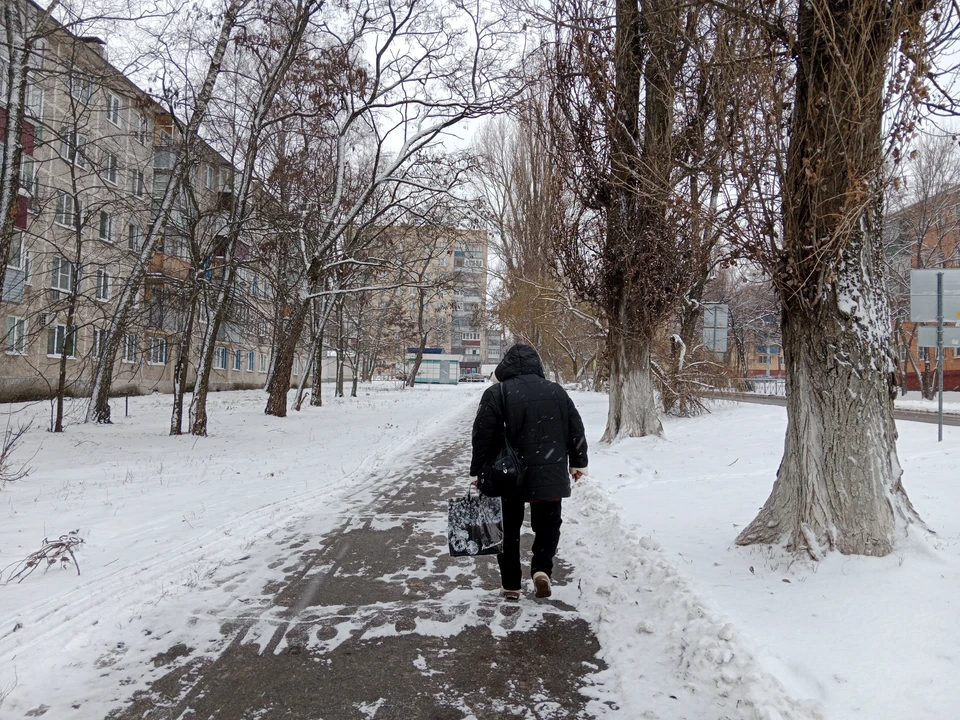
543, 425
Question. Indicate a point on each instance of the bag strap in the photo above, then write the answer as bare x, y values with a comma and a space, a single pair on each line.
503, 399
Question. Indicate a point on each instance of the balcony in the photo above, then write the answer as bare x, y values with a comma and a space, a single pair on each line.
168, 266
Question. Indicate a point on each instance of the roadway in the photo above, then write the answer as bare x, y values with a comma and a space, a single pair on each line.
924, 416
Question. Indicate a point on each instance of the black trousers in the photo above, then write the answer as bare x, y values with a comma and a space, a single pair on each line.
545, 520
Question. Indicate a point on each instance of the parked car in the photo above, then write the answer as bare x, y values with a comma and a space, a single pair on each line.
472, 377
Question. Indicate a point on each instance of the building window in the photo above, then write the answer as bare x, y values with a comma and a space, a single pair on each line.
103, 285
99, 342
238, 359
210, 176
763, 359
60, 341
130, 348
296, 366
28, 175
158, 351
106, 226
134, 237
34, 100
141, 133
80, 86
251, 361
68, 210
220, 358
16, 335
62, 275
110, 163
263, 362
255, 286
73, 147
136, 183
15, 254
113, 109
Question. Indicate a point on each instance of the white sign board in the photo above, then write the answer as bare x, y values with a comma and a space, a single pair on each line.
927, 336
715, 316
923, 295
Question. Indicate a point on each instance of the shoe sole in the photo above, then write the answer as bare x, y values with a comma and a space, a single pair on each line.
543, 587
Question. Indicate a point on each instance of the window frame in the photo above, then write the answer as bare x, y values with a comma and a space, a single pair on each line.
137, 183
138, 236
111, 167
238, 360
98, 342
57, 274
107, 231
113, 108
80, 86
158, 343
102, 292
131, 349
64, 216
54, 332
219, 358
140, 134
264, 365
251, 361
18, 339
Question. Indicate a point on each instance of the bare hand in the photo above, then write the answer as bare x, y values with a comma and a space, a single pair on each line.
577, 475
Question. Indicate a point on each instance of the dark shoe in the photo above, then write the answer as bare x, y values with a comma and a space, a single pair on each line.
541, 581
510, 594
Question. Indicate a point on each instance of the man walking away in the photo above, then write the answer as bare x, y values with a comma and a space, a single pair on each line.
545, 430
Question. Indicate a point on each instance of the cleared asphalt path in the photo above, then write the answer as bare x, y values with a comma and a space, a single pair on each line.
923, 416
379, 622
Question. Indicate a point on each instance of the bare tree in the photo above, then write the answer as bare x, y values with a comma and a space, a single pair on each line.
433, 65
616, 92
99, 407
839, 484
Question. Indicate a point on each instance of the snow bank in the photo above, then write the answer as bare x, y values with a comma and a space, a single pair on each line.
643, 607
862, 637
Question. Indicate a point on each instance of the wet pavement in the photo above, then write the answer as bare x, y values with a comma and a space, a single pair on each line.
375, 620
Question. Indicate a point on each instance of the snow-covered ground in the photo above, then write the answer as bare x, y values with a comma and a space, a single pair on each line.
873, 638
914, 401
177, 529
165, 517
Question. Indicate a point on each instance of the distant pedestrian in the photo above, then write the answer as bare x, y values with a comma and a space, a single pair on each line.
546, 431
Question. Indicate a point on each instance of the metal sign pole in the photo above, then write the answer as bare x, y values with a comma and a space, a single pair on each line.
940, 356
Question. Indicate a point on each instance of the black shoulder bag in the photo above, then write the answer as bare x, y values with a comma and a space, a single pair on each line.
503, 476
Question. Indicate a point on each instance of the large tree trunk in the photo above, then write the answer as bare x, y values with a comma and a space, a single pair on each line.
316, 396
201, 386
279, 385
633, 400
181, 369
838, 486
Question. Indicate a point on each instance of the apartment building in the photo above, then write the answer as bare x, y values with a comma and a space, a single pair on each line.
453, 261
98, 157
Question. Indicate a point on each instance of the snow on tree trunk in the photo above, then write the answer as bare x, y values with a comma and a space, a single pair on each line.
633, 398
838, 486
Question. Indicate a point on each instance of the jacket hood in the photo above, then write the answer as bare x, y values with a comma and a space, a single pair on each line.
519, 360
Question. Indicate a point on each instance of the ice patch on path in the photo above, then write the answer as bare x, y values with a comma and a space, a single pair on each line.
670, 654
369, 710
